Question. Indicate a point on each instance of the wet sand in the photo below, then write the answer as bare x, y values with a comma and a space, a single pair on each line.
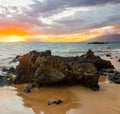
11, 103
76, 99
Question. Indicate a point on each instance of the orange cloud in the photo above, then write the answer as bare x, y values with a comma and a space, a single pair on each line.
14, 30
21, 33
116, 27
78, 37
14, 33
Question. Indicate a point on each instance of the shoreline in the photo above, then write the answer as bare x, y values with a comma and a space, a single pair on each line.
76, 99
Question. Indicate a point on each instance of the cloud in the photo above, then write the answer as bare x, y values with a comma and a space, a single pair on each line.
59, 16
48, 5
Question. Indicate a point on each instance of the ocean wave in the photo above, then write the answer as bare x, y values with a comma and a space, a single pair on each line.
116, 50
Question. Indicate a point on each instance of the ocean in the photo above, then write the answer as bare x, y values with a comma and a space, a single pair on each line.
9, 50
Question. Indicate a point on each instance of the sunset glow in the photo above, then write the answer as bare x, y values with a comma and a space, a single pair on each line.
13, 31
16, 35
12, 39
55, 21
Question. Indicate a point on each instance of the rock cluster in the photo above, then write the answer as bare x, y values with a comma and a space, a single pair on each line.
8, 77
44, 69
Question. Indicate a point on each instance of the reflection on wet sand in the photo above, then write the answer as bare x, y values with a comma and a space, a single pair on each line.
39, 98
76, 99
10, 103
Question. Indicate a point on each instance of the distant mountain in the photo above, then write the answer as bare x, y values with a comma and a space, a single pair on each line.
106, 38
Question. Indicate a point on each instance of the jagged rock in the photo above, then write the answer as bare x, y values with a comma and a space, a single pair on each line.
89, 57
45, 69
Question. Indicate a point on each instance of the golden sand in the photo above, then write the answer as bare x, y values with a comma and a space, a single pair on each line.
76, 99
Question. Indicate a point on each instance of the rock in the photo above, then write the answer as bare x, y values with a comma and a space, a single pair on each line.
55, 102
102, 74
108, 55
115, 77
118, 60
44, 69
103, 70
98, 43
110, 71
16, 59
99, 63
5, 81
9, 71
4, 69
32, 85
27, 90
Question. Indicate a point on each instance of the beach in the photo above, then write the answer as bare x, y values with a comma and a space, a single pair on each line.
76, 99
59, 56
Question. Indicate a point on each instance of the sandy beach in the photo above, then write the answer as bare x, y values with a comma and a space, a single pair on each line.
59, 56
76, 99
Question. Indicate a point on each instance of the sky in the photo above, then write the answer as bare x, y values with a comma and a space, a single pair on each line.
58, 20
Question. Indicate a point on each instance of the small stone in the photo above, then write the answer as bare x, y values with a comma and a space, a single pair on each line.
27, 90
108, 55
50, 103
58, 101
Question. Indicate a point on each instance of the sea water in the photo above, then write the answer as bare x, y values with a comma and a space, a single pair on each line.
9, 50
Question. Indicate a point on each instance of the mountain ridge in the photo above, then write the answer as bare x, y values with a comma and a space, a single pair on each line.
106, 38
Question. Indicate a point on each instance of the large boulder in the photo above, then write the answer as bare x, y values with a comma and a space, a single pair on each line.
44, 69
